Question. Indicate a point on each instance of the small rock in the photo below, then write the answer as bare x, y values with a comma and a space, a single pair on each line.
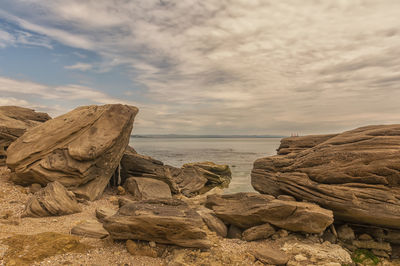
234, 232
365, 237
139, 250
212, 222
152, 244
329, 236
372, 245
380, 253
300, 257
121, 190
345, 233
113, 200
269, 255
258, 232
92, 229
103, 212
35, 187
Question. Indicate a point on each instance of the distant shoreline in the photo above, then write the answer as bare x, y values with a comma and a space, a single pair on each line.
177, 136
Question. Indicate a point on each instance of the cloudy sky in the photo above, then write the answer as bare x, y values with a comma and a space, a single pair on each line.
207, 66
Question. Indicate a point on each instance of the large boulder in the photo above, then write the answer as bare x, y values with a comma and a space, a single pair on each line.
14, 121
246, 210
163, 221
80, 149
53, 200
356, 174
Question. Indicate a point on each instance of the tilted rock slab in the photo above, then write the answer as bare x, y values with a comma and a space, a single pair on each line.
246, 210
142, 188
53, 200
80, 149
356, 174
14, 121
163, 221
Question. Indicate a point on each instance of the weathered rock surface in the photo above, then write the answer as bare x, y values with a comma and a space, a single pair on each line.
80, 149
142, 188
163, 221
27, 249
191, 179
213, 222
53, 200
140, 250
258, 232
103, 212
246, 210
91, 228
14, 121
356, 174
269, 255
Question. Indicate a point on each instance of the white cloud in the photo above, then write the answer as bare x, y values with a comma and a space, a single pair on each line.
237, 66
13, 101
80, 66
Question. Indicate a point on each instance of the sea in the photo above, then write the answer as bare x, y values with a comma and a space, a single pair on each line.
238, 153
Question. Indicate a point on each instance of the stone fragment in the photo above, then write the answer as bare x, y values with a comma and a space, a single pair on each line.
91, 228
269, 255
35, 187
140, 250
234, 232
213, 222
103, 212
80, 149
345, 233
162, 221
372, 245
246, 210
365, 237
258, 232
53, 200
142, 188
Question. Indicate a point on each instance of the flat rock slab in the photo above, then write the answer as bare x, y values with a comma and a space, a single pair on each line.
80, 149
91, 228
269, 255
14, 121
53, 200
246, 210
27, 249
162, 221
356, 174
213, 222
142, 188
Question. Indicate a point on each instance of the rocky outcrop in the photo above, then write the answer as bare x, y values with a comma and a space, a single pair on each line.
246, 210
163, 221
142, 188
80, 149
191, 179
356, 174
14, 121
53, 200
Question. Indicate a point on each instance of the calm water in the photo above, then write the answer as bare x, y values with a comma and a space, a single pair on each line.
238, 153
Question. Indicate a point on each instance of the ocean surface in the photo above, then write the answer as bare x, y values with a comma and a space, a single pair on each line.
238, 153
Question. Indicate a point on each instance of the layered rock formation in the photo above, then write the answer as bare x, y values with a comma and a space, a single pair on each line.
53, 200
80, 149
356, 174
246, 210
163, 221
14, 121
191, 179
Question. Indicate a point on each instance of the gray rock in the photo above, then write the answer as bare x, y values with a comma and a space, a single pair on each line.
91, 229
246, 210
53, 200
142, 188
258, 232
162, 221
80, 149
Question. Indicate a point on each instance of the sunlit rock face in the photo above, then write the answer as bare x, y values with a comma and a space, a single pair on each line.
356, 174
80, 149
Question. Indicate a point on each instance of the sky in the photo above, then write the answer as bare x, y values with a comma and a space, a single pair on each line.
207, 66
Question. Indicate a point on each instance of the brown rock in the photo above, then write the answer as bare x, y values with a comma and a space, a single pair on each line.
369, 244
80, 149
14, 121
212, 221
345, 233
246, 210
258, 232
286, 198
143, 188
365, 237
355, 173
270, 255
91, 228
53, 200
103, 212
35, 187
140, 250
163, 221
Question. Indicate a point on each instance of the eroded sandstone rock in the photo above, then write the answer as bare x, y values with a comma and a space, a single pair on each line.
356, 174
80, 149
163, 221
53, 200
14, 121
142, 188
90, 228
246, 210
